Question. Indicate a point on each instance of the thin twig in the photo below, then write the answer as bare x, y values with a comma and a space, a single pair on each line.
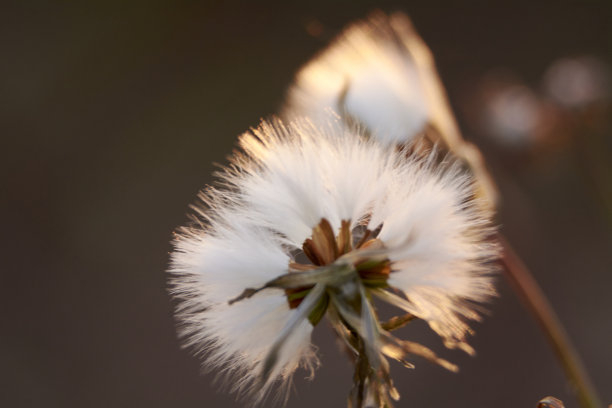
534, 299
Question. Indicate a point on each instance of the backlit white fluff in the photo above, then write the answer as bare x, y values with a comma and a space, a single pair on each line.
213, 263
435, 236
368, 74
380, 76
284, 182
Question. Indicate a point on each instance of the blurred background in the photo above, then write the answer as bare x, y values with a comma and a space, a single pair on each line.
114, 113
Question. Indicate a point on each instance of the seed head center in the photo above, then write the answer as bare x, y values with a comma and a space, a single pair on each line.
324, 248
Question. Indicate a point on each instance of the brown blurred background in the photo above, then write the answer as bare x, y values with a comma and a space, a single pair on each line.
113, 113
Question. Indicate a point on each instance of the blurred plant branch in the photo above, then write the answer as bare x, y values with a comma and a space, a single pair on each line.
533, 297
523, 282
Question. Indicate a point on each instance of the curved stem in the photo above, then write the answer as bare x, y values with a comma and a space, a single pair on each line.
535, 300
516, 271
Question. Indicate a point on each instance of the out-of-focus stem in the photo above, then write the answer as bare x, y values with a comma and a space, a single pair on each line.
524, 284
535, 300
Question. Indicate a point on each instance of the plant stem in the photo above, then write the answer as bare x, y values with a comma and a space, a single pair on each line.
534, 299
524, 284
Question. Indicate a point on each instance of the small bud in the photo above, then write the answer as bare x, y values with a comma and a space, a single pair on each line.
550, 402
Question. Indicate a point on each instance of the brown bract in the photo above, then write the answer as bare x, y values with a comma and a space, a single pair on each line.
324, 247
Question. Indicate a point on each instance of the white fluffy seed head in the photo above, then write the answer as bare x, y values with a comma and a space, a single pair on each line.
368, 75
283, 182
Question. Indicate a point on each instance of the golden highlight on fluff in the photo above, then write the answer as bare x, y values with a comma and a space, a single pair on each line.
368, 76
380, 77
309, 223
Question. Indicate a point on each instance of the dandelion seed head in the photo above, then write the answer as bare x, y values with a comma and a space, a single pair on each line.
333, 195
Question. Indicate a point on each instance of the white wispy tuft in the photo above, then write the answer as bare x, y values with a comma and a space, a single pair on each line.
223, 252
367, 74
380, 76
286, 181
